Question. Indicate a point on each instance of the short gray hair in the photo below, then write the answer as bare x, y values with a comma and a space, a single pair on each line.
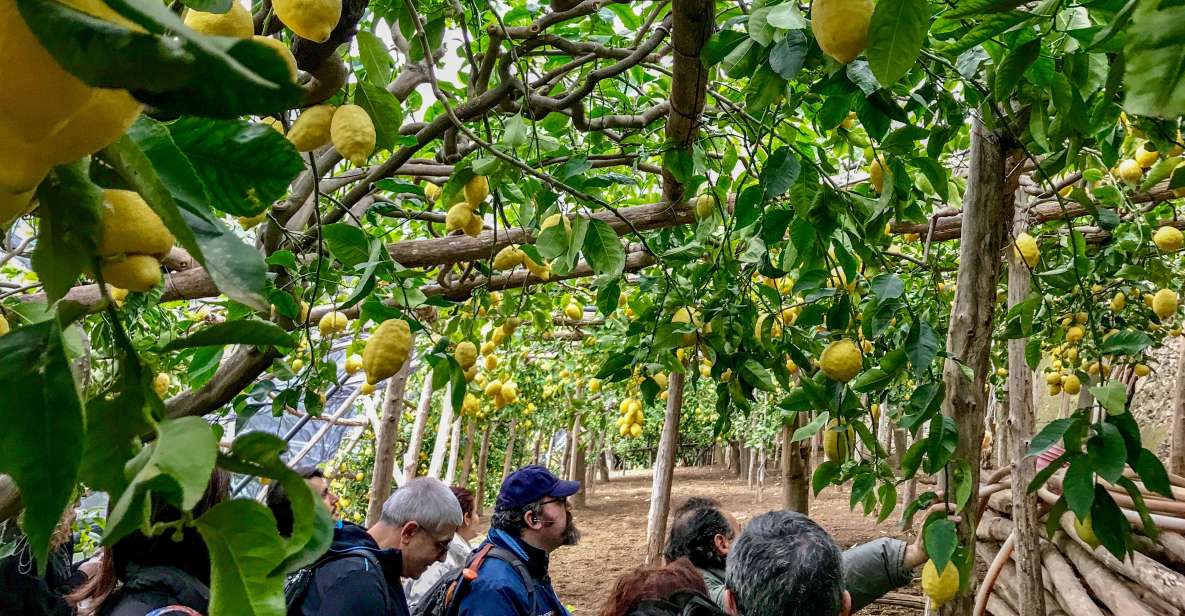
784, 564
425, 501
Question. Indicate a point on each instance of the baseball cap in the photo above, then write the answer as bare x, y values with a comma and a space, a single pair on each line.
532, 483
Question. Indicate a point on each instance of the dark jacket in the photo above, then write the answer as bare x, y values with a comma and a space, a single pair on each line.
354, 585
499, 590
147, 588
24, 592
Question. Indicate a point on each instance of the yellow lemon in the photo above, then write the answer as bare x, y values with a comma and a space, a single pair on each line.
1168, 239
1026, 248
876, 175
312, 129
352, 133
1085, 530
353, 363
310, 19
236, 22
1130, 171
386, 350
704, 206
841, 360
465, 353
333, 322
458, 217
1071, 385
1142, 370
837, 443
1164, 303
940, 587
1145, 157
574, 311
161, 383
476, 190
132, 272
282, 50
841, 27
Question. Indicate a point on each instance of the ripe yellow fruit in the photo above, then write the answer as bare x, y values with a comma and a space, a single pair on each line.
689, 316
431, 191
249, 222
476, 190
1074, 334
487, 347
1053, 378
130, 226
4, 327
1130, 171
554, 220
465, 354
236, 22
876, 175
312, 129
636, 430
1002, 372
493, 387
940, 587
574, 311
508, 258
661, 379
542, 272
282, 50
594, 385
491, 362
353, 363
838, 443
161, 383
1085, 530
333, 322
138, 273
1168, 239
1164, 303
297, 364
841, 360
1071, 385
1118, 302
386, 350
704, 206
14, 205
1142, 370
458, 217
304, 312
1026, 248
352, 133
1145, 157
310, 19
275, 124
841, 27
474, 226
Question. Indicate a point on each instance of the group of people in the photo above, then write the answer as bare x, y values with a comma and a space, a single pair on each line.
419, 558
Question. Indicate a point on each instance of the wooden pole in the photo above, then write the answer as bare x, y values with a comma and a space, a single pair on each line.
664, 470
1021, 424
453, 450
508, 458
386, 440
796, 472
467, 463
443, 428
411, 459
482, 466
1177, 451
579, 499
987, 214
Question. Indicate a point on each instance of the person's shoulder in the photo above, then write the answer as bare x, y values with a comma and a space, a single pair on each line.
351, 568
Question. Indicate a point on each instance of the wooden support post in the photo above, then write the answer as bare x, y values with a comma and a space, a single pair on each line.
440, 445
482, 466
454, 448
796, 472
411, 459
580, 498
1021, 424
508, 459
386, 440
1177, 451
467, 461
664, 470
987, 214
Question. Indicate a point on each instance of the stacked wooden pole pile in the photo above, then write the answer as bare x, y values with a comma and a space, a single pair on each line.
1079, 580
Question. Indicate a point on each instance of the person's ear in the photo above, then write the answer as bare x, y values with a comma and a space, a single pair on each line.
407, 531
722, 544
847, 604
532, 520
730, 603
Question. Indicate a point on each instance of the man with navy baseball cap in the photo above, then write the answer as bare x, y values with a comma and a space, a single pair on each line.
531, 520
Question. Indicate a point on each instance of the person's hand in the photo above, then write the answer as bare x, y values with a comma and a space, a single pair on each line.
915, 553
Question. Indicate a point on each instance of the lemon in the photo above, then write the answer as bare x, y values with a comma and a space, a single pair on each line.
1027, 250
841, 27
636, 430
1118, 302
352, 133
275, 124
282, 50
474, 226
574, 311
130, 227
661, 379
493, 387
4, 328
249, 222
431, 191
1053, 378
594, 385
160, 384
1142, 370
386, 350
1129, 171
312, 129
14, 205
1071, 385
491, 362
487, 348
236, 22
1164, 303
353, 363
542, 272
476, 190
940, 587
1085, 530
1168, 239
1074, 334
704, 206
367, 389
1145, 157
841, 360
876, 175
297, 364
838, 444
508, 258
687, 315
133, 272
458, 217
309, 19
465, 354
1002, 372
333, 322
304, 312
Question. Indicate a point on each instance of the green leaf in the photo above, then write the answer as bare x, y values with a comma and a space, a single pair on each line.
895, 37
244, 166
1078, 486
786, 16
1009, 72
1126, 342
385, 113
366, 282
115, 421
188, 74
209, 6
176, 466
986, 28
376, 59
826, 474
42, 440
888, 498
70, 208
1107, 452
244, 549
603, 249
756, 375
787, 55
552, 242
1152, 473
721, 44
941, 539
241, 331
154, 167
347, 244
1049, 435
887, 286
921, 343
812, 428
1112, 396
515, 132
779, 173
1109, 523
1154, 82
871, 380
1141, 507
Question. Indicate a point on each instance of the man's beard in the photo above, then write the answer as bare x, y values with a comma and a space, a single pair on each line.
571, 533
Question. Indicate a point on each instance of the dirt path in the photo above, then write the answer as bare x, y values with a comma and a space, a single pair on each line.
614, 528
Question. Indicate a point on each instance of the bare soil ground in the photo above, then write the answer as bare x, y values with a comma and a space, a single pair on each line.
614, 528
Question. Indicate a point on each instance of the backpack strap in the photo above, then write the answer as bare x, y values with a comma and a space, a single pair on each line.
520, 567
473, 567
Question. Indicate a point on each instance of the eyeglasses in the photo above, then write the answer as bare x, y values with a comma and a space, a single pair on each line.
563, 501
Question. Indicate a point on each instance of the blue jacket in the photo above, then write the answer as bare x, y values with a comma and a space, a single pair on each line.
498, 589
354, 586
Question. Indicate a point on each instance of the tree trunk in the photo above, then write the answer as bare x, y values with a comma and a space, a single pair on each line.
467, 463
454, 448
538, 449
1177, 453
1021, 423
482, 465
508, 459
796, 475
590, 473
987, 212
664, 470
580, 498
387, 439
411, 459
569, 445
440, 445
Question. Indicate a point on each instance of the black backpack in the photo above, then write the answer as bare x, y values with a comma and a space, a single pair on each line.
684, 603
296, 587
440, 600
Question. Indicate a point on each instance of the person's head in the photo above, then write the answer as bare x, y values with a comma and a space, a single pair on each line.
419, 519
533, 505
658, 590
281, 507
784, 564
468, 528
701, 532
